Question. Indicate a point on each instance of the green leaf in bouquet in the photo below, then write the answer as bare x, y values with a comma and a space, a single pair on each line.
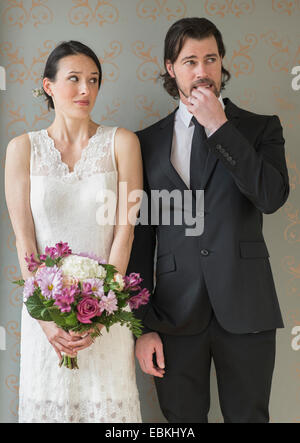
122, 303
110, 272
19, 282
49, 262
36, 308
45, 315
49, 303
71, 320
124, 318
57, 317
114, 286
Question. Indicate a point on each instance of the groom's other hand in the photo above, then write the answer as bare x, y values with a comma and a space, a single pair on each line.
148, 346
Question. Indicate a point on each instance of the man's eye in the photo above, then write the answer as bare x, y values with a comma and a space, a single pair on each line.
190, 62
211, 60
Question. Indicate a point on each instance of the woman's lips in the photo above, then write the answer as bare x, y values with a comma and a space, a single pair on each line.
82, 103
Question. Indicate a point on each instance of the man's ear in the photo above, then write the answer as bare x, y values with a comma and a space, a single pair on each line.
169, 68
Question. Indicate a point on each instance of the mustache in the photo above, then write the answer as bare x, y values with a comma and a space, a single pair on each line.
203, 82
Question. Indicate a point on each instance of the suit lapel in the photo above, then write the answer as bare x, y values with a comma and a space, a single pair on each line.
232, 113
165, 139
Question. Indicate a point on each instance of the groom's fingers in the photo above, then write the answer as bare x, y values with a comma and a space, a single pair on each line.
147, 346
160, 355
149, 368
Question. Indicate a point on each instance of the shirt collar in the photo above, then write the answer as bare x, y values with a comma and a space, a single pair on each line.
186, 116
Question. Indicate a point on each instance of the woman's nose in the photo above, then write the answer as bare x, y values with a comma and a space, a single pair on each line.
84, 88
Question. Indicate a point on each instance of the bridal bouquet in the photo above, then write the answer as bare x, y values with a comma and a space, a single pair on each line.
79, 291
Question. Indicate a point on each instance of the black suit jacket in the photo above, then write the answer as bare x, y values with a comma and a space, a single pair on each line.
245, 176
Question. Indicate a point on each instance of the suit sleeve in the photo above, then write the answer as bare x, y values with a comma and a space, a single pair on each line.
261, 172
142, 254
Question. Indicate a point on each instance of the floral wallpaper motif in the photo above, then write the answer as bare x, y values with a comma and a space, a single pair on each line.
262, 42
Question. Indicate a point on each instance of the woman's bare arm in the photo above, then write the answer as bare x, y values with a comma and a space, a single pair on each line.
17, 192
130, 174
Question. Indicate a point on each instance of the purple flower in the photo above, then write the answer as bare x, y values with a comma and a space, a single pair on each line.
62, 249
100, 260
66, 298
93, 286
29, 288
32, 263
86, 289
132, 282
109, 303
140, 299
87, 309
51, 252
50, 281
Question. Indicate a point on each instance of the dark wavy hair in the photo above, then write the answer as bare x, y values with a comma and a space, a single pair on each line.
65, 49
195, 28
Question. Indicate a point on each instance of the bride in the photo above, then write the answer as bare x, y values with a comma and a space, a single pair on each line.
53, 178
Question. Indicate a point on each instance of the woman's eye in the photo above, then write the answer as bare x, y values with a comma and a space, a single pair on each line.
94, 80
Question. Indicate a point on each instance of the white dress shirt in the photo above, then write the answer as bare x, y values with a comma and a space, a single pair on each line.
182, 141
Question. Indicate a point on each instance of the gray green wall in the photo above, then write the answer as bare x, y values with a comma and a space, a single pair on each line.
262, 39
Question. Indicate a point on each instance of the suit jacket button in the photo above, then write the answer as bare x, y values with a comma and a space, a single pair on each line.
205, 252
218, 147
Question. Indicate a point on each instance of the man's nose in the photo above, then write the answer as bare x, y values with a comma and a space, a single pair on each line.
201, 70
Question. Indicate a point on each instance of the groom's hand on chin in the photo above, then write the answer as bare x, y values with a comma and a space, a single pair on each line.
148, 346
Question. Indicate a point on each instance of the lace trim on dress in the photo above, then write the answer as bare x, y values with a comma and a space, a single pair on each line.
96, 158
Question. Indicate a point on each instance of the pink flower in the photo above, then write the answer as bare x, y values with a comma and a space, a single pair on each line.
32, 263
93, 286
66, 298
50, 281
86, 289
51, 252
62, 249
140, 299
132, 282
29, 288
109, 303
87, 309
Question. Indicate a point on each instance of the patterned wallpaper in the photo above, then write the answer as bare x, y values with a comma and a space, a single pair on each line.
263, 47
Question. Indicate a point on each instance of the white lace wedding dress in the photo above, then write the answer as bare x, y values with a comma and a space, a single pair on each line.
64, 207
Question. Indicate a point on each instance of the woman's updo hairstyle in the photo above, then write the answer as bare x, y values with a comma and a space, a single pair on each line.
65, 49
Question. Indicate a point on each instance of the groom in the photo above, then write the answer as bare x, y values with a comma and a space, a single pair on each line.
214, 295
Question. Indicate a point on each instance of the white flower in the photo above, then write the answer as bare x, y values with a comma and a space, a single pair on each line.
118, 278
82, 267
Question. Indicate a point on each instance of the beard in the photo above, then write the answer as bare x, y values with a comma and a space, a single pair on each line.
201, 82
